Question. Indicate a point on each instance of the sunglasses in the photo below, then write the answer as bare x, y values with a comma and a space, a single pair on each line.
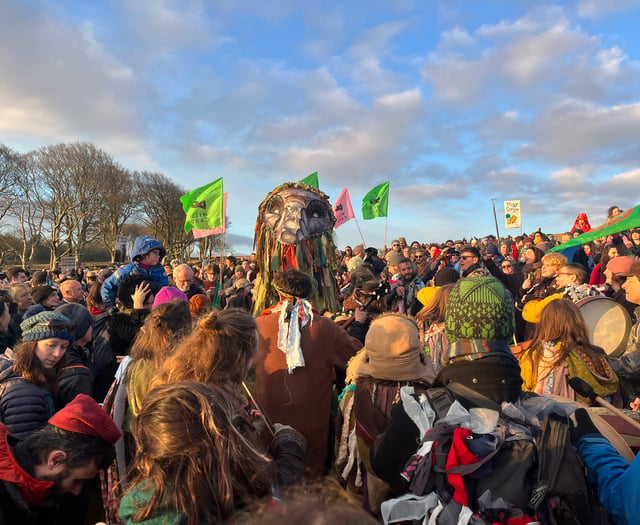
467, 256
395, 245
419, 256
57, 326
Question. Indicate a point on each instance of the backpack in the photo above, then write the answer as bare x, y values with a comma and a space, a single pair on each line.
516, 474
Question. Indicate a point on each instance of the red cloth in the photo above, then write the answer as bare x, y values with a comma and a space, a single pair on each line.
32, 490
84, 416
459, 455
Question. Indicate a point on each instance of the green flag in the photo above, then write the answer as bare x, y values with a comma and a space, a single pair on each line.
625, 221
204, 207
311, 180
375, 202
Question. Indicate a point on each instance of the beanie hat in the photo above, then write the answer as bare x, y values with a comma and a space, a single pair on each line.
424, 295
621, 264
33, 310
393, 351
394, 258
79, 316
446, 276
166, 294
199, 304
84, 416
46, 325
479, 308
42, 292
492, 249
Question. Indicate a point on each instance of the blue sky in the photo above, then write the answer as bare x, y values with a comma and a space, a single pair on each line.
455, 102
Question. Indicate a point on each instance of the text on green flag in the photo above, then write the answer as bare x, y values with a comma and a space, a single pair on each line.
375, 202
203, 207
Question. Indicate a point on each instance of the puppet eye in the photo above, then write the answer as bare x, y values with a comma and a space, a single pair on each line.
315, 210
276, 205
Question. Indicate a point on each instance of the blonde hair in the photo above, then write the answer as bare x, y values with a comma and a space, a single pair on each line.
557, 260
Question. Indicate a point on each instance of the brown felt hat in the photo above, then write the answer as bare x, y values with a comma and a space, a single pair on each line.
392, 351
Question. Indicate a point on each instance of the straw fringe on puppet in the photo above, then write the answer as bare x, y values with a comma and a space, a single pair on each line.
294, 229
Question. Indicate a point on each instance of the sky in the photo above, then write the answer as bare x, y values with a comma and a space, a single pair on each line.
458, 103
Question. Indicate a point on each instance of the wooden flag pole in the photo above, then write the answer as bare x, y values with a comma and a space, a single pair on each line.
386, 222
360, 232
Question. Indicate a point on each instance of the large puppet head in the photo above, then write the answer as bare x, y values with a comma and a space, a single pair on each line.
295, 229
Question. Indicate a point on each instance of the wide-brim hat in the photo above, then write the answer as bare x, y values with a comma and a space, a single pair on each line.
393, 351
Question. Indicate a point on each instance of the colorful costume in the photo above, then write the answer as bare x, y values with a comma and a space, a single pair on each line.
295, 229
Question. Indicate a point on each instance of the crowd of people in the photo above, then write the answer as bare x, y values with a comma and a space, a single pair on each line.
153, 393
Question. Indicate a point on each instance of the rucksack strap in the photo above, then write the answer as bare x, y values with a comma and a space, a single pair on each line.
550, 447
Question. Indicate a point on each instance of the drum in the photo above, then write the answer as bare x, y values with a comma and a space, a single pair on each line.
608, 322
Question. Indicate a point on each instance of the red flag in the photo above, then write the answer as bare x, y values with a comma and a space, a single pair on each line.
197, 234
342, 209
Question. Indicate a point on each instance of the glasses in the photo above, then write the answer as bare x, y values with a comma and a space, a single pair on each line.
467, 257
395, 245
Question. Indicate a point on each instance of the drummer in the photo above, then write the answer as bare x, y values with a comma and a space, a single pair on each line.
628, 366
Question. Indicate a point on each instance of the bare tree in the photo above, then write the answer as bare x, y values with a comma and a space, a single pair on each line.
118, 203
162, 212
11, 168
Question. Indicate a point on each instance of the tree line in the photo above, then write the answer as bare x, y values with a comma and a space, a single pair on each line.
67, 198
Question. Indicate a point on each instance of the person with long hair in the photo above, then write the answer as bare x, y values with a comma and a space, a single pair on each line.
226, 343
432, 316
155, 341
560, 350
28, 373
192, 464
598, 278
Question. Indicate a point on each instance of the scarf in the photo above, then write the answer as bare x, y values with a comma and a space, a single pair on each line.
290, 330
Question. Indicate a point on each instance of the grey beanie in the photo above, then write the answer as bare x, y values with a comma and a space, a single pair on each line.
79, 316
46, 325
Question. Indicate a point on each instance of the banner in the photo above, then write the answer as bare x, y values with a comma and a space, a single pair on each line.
342, 209
625, 221
512, 214
203, 207
311, 180
375, 202
197, 234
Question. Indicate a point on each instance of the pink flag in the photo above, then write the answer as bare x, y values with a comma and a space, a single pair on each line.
197, 234
342, 208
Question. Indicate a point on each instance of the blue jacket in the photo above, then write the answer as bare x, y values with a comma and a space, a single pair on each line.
617, 481
142, 245
24, 406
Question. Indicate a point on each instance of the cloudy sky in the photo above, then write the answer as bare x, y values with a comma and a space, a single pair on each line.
456, 102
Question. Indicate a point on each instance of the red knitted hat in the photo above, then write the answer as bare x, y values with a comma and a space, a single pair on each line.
84, 416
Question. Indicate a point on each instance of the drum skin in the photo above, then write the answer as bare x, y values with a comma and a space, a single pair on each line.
608, 322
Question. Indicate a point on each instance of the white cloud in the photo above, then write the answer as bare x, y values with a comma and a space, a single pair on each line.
610, 60
73, 86
597, 8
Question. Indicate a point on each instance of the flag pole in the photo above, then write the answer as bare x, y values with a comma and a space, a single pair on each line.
360, 232
221, 266
386, 222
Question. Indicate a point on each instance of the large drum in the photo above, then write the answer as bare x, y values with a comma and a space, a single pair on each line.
608, 322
